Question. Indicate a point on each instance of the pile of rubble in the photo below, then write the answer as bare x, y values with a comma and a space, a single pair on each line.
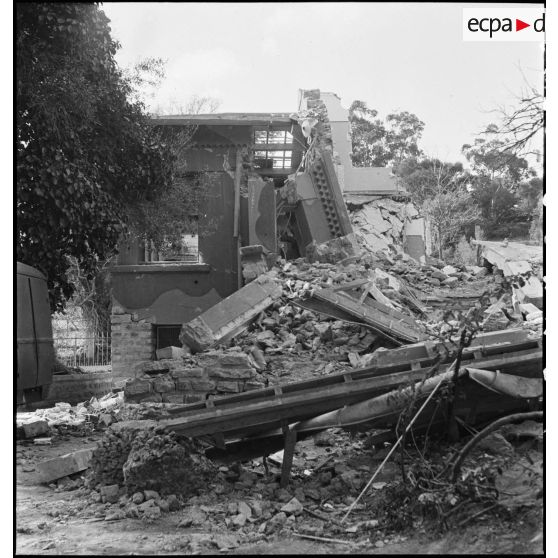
64, 418
382, 223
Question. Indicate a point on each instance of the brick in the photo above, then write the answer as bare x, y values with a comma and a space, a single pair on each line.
231, 373
173, 397
137, 386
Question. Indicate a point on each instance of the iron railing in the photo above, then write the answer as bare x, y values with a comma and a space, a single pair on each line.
83, 351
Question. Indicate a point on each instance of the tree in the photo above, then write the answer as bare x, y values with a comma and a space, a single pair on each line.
522, 125
442, 191
85, 150
497, 178
491, 158
378, 144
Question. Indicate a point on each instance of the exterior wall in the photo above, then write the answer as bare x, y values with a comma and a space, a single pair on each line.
370, 180
146, 295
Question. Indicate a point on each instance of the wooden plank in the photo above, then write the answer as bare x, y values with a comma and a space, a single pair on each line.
312, 402
288, 454
389, 361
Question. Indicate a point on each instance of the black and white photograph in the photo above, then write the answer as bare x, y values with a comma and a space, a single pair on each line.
280, 278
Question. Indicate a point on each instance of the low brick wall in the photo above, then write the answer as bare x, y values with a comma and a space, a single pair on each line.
193, 379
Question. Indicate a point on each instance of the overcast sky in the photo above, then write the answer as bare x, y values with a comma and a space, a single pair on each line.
254, 58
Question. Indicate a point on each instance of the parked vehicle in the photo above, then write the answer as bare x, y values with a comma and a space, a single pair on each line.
35, 348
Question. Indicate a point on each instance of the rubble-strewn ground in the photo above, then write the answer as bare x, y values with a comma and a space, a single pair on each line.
153, 492
242, 510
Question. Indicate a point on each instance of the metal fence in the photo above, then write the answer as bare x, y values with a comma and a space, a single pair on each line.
83, 351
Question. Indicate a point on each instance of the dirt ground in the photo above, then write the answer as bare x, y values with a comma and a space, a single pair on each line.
50, 520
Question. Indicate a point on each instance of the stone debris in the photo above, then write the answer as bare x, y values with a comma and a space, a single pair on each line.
64, 417
64, 465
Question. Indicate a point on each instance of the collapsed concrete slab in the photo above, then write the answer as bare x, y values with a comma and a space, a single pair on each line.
232, 315
514, 260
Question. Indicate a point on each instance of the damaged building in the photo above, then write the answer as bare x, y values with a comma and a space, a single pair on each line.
275, 186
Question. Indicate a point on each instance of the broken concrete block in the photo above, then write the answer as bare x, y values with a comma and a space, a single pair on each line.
169, 352
451, 281
437, 274
232, 315
35, 428
64, 465
449, 270
293, 507
235, 359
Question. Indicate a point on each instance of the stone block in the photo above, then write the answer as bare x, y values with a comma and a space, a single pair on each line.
137, 386
183, 384
235, 359
231, 373
163, 384
64, 465
173, 397
200, 384
35, 429
228, 387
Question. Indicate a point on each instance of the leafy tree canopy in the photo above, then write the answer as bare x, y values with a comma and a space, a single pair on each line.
377, 143
85, 152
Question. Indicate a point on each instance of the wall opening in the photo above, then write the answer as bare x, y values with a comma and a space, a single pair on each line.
167, 336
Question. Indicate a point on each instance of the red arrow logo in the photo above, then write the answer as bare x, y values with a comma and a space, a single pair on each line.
519, 25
